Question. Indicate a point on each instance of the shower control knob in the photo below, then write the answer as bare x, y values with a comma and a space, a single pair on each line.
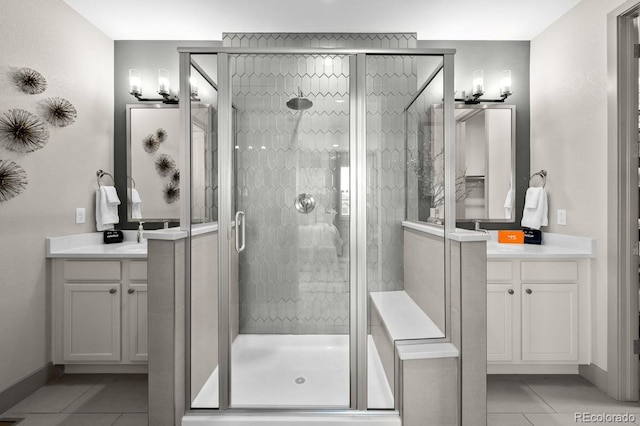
131, 291
510, 291
305, 203
529, 291
113, 291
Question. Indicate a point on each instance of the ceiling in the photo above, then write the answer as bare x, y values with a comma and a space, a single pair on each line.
430, 19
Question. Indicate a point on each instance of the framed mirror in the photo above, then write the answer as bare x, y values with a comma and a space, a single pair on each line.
153, 145
153, 159
486, 141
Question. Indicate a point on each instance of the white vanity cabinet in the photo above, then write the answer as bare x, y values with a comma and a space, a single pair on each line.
537, 314
500, 322
99, 311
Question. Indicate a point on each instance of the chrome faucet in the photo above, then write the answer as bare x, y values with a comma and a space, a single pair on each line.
478, 229
140, 231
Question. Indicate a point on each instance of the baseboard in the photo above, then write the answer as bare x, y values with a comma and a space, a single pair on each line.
595, 375
532, 369
28, 385
106, 369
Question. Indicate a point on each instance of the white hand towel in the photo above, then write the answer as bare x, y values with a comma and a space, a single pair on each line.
135, 196
136, 202
111, 194
532, 197
106, 213
508, 204
536, 217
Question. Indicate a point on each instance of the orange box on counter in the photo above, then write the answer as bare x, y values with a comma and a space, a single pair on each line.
511, 237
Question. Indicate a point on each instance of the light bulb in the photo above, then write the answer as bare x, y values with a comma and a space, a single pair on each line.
163, 81
135, 82
478, 83
505, 83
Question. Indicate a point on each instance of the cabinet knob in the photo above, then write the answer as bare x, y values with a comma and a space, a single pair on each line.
131, 291
510, 291
529, 291
113, 291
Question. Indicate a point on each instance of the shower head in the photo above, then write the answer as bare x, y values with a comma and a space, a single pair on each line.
299, 103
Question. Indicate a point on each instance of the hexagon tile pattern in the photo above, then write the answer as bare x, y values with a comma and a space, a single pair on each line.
294, 273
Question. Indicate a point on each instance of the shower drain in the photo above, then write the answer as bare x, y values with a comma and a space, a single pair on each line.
300, 380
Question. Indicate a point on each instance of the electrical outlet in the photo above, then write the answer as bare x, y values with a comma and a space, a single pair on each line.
562, 217
80, 215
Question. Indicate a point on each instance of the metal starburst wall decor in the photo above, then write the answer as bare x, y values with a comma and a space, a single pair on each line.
171, 193
150, 143
22, 132
165, 165
161, 135
59, 111
30, 81
13, 180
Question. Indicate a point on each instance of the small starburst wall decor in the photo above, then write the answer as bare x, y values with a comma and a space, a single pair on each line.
21, 131
29, 81
165, 165
171, 193
13, 180
59, 111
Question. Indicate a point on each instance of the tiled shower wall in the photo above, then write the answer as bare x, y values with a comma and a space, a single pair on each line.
294, 272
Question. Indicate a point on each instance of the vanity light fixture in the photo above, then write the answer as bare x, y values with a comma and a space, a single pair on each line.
478, 88
164, 88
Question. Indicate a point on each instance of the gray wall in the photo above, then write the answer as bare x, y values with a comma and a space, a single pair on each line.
147, 57
493, 57
77, 61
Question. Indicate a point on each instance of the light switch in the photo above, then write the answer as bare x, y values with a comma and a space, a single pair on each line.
80, 215
562, 217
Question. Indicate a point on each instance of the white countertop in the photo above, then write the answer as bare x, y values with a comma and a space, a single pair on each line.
87, 246
462, 235
170, 234
91, 245
554, 246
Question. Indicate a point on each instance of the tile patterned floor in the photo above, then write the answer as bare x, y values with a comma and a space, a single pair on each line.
540, 400
121, 400
86, 399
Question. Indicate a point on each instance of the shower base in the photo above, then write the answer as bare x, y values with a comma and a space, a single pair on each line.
295, 371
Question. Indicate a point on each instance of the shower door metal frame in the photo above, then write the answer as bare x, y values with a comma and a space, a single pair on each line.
357, 222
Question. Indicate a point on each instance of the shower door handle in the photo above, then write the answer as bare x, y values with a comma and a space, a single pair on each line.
240, 220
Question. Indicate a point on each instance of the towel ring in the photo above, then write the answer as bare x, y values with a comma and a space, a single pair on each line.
542, 175
100, 174
133, 182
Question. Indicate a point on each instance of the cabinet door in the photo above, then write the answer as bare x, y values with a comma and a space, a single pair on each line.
91, 322
500, 299
138, 326
549, 322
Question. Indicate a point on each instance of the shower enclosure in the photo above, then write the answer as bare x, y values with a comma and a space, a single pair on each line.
317, 163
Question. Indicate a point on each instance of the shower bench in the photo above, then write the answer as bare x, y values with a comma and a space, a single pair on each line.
427, 372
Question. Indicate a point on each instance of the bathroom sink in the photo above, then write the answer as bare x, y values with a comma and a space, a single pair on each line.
133, 248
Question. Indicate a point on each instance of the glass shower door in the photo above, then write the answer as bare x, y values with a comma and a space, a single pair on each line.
289, 275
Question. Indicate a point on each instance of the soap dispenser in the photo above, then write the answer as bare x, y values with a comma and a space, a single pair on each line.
140, 231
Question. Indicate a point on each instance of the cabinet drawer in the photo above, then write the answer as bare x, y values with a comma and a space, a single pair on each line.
549, 271
138, 270
499, 271
91, 270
